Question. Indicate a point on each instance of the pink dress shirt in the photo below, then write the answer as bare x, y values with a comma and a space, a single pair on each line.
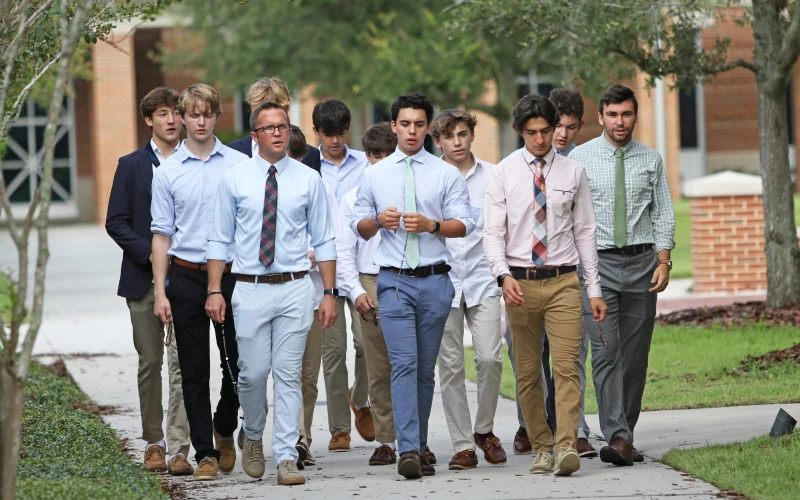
571, 225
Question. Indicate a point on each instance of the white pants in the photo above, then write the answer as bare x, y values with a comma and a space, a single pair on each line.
484, 323
272, 322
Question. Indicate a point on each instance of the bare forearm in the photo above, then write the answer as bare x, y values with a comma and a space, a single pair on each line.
160, 261
367, 228
215, 270
664, 254
452, 228
327, 270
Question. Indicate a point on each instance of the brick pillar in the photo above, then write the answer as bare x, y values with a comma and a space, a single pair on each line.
113, 103
727, 220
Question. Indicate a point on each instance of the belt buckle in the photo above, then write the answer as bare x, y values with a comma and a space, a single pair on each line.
528, 273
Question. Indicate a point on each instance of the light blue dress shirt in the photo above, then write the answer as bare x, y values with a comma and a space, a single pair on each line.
441, 194
347, 175
184, 189
303, 220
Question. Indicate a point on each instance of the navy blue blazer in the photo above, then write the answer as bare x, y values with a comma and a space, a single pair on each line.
128, 222
245, 146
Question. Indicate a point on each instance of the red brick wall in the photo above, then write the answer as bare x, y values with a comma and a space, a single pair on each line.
728, 244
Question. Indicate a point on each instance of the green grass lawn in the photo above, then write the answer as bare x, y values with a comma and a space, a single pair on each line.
69, 453
762, 468
694, 367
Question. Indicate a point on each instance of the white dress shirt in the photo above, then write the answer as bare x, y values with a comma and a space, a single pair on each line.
345, 176
354, 253
159, 154
470, 271
313, 273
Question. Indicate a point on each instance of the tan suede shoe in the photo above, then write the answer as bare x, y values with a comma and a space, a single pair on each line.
154, 458
227, 459
179, 466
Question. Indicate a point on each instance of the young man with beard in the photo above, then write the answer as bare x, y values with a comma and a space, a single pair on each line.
270, 209
477, 300
184, 189
539, 227
635, 230
413, 286
128, 223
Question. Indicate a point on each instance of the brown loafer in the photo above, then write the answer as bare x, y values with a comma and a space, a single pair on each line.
464, 459
383, 455
493, 451
522, 444
409, 465
227, 450
585, 448
637, 457
339, 442
179, 466
618, 452
154, 458
429, 456
364, 423
427, 468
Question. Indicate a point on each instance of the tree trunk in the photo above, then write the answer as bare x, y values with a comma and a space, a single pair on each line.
506, 80
773, 68
12, 395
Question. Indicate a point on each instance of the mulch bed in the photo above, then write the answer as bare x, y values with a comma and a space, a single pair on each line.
741, 315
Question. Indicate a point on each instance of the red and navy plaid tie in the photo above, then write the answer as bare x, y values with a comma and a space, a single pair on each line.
539, 253
266, 254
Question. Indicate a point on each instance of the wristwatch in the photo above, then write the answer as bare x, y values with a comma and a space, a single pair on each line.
501, 278
667, 262
331, 291
436, 227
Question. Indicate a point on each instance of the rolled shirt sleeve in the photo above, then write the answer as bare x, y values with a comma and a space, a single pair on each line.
162, 205
584, 231
221, 235
346, 244
456, 202
663, 212
494, 224
365, 205
320, 225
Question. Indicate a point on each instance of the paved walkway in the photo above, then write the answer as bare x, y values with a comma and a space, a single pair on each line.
85, 321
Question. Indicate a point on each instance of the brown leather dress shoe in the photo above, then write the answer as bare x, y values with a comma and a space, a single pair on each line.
339, 442
585, 448
383, 455
493, 451
464, 459
154, 458
409, 465
522, 444
364, 423
429, 456
179, 466
618, 452
637, 457
427, 468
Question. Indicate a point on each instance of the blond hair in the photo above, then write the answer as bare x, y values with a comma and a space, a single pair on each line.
197, 93
446, 121
268, 89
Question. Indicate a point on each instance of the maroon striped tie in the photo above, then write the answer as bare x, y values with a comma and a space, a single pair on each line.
266, 253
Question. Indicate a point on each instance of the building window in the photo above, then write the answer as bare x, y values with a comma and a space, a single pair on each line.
687, 109
22, 163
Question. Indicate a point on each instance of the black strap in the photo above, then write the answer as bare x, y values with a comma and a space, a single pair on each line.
151, 154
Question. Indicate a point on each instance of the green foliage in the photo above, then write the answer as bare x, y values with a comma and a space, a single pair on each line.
360, 52
763, 468
70, 453
692, 367
601, 41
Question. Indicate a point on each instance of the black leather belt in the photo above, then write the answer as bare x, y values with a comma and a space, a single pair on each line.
629, 250
539, 273
421, 271
271, 279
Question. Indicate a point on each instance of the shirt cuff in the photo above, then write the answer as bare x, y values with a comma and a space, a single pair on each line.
217, 251
325, 252
664, 246
594, 291
356, 292
165, 230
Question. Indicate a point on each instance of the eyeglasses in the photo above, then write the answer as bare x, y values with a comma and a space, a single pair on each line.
270, 129
374, 316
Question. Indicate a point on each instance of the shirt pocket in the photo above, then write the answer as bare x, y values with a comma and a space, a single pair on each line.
476, 213
560, 201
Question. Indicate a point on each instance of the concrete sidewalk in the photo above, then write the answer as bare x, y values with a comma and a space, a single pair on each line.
88, 323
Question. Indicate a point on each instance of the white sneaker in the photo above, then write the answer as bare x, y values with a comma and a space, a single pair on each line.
288, 475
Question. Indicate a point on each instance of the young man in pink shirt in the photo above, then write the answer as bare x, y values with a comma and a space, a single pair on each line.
539, 225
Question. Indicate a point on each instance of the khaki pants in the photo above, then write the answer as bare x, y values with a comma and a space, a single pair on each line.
309, 376
557, 302
379, 370
147, 340
334, 369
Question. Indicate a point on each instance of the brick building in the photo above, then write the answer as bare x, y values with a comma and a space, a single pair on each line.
698, 133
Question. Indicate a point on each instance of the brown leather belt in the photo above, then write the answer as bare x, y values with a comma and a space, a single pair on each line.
197, 267
271, 279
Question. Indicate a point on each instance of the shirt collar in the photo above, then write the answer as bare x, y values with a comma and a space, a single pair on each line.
157, 151
566, 151
347, 154
611, 149
420, 157
473, 168
263, 164
548, 158
186, 154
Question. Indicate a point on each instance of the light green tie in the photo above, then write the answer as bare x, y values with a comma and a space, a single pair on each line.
412, 241
619, 200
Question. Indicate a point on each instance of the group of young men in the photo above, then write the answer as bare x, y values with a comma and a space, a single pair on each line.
267, 239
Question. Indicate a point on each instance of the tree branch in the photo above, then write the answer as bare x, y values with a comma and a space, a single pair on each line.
791, 41
739, 63
10, 118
